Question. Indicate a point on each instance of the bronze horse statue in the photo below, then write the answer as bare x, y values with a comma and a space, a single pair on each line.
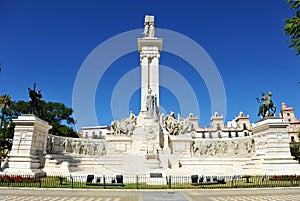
267, 107
35, 103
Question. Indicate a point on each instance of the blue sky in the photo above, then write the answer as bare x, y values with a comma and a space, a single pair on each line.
48, 41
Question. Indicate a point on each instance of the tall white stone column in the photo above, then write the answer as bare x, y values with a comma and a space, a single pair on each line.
149, 48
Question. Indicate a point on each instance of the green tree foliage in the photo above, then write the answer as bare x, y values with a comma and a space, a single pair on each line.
59, 117
6, 126
56, 114
294, 148
292, 27
5, 102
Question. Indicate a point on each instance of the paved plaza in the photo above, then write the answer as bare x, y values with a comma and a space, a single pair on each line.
31, 194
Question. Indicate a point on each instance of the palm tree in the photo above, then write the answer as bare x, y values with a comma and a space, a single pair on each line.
5, 101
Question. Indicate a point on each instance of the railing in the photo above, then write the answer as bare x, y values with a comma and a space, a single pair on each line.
143, 182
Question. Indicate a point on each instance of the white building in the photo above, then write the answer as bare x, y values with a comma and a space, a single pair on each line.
238, 127
93, 132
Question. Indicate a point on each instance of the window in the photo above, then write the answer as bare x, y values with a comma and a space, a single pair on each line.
203, 135
210, 135
218, 127
244, 126
229, 135
288, 114
236, 134
292, 138
219, 135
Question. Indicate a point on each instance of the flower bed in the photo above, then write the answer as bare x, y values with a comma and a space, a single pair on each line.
285, 178
18, 179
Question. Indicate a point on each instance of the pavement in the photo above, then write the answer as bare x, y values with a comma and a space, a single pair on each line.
43, 194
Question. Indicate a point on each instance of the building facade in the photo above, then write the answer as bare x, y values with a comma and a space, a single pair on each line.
93, 132
287, 113
238, 127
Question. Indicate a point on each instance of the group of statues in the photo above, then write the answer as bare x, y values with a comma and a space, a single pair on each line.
56, 145
243, 146
173, 126
267, 107
177, 127
149, 29
125, 126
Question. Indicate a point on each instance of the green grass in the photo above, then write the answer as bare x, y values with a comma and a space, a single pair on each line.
253, 182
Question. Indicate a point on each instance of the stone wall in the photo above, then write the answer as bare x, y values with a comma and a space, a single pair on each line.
78, 146
223, 147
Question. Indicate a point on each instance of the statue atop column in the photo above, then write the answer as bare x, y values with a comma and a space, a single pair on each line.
149, 29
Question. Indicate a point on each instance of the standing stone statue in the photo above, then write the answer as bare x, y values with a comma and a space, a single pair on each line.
146, 29
152, 107
149, 29
150, 104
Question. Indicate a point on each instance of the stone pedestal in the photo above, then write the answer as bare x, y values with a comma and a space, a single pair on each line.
118, 144
180, 144
27, 156
272, 152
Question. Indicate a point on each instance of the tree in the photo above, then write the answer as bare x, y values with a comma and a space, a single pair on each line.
60, 118
5, 102
56, 114
6, 126
292, 27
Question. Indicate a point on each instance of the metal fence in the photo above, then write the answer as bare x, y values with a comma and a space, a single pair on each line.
146, 182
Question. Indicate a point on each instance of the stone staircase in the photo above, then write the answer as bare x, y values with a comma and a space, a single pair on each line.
65, 164
213, 165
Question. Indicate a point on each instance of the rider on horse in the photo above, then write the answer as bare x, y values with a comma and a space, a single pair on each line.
35, 103
267, 107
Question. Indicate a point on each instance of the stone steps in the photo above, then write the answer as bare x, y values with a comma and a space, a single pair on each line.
213, 161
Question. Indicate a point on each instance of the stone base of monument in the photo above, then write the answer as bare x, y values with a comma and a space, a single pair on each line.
29, 146
149, 151
145, 138
56, 167
141, 118
272, 151
152, 161
212, 165
119, 144
180, 144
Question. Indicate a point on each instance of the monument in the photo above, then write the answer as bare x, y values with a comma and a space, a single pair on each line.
27, 156
150, 143
272, 151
